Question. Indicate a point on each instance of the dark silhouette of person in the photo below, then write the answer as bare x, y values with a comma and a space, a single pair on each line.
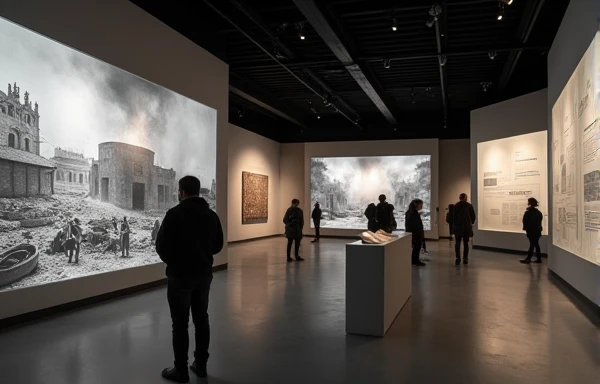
532, 225
114, 224
189, 237
371, 214
463, 220
316, 217
154, 232
450, 219
414, 224
385, 215
294, 222
125, 231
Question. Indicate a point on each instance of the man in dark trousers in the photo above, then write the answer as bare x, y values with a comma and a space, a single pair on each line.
294, 223
316, 217
464, 218
188, 238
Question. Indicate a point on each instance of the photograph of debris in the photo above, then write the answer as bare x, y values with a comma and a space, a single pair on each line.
255, 198
345, 186
90, 156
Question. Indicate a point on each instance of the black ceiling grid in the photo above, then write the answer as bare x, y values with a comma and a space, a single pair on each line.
322, 95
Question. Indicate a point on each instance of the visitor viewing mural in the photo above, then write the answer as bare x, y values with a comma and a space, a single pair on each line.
345, 186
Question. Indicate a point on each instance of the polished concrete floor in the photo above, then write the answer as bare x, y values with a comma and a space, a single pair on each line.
495, 321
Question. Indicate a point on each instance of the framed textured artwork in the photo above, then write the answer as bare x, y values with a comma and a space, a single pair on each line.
255, 198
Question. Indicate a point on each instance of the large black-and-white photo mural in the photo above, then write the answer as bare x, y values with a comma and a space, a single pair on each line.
345, 186
90, 156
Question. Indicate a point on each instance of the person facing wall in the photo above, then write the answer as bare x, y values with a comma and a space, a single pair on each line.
463, 220
294, 223
532, 225
414, 225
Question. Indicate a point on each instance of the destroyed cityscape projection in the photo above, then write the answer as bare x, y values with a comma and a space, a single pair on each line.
345, 186
90, 156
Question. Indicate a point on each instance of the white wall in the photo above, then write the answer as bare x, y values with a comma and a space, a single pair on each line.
120, 33
371, 148
291, 177
518, 116
455, 176
249, 152
576, 33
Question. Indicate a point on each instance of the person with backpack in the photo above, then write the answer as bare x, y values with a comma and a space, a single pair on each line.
385, 215
414, 224
449, 219
532, 225
462, 222
371, 214
294, 222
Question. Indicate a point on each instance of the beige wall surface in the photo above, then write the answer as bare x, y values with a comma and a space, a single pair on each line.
121, 34
249, 152
455, 176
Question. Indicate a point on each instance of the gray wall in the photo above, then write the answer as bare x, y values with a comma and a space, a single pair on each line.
455, 176
518, 116
121, 34
575, 35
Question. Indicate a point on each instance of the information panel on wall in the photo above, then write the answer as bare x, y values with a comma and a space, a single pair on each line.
345, 186
576, 160
90, 156
510, 171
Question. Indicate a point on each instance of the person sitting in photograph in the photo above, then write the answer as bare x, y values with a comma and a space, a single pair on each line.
125, 231
294, 222
414, 224
532, 225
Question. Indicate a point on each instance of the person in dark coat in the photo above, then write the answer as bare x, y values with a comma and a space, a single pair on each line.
316, 217
294, 223
371, 214
463, 220
385, 215
189, 237
449, 219
532, 225
414, 224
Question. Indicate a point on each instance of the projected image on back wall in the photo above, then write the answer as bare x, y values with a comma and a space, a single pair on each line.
345, 186
90, 156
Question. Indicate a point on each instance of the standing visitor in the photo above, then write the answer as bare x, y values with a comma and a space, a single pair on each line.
385, 215
125, 230
294, 222
450, 219
532, 225
371, 214
316, 217
414, 225
463, 220
189, 237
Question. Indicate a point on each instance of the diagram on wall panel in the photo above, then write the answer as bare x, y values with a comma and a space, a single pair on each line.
510, 171
576, 161
90, 156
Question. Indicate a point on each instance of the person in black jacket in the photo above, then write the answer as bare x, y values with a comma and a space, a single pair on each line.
189, 237
450, 219
414, 225
532, 225
294, 222
371, 214
316, 217
385, 215
463, 220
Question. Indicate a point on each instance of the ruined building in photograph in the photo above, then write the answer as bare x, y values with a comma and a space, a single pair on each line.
72, 169
125, 175
23, 172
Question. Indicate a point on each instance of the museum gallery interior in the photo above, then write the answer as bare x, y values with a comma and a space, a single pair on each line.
377, 116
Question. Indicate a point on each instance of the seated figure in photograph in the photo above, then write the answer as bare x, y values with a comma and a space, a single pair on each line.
532, 225
294, 222
189, 237
414, 225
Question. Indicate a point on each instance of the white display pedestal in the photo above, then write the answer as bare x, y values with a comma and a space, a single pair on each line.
378, 284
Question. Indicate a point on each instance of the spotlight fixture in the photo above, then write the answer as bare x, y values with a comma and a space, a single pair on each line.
434, 13
387, 63
241, 113
319, 117
394, 24
492, 54
507, 2
486, 85
500, 10
443, 60
300, 28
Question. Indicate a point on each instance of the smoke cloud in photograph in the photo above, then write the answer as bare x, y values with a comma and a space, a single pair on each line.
84, 102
